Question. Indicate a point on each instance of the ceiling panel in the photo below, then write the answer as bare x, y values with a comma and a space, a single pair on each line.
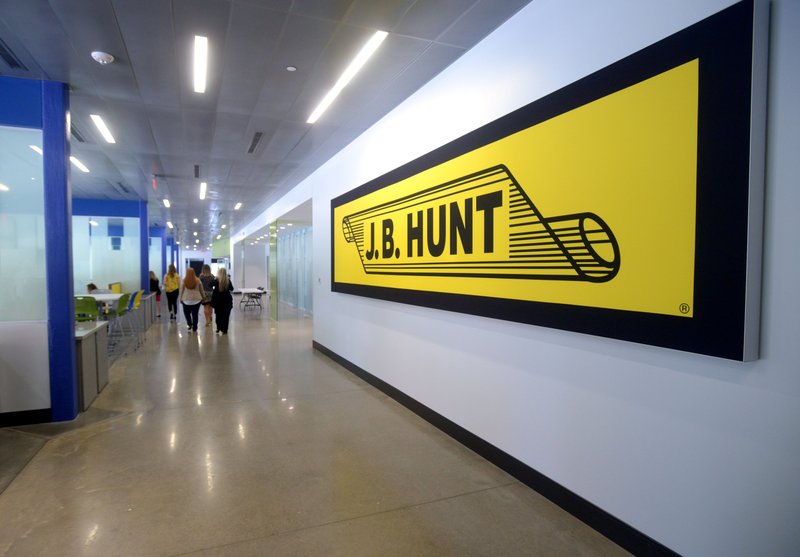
164, 128
147, 26
248, 54
326, 9
480, 20
379, 15
428, 20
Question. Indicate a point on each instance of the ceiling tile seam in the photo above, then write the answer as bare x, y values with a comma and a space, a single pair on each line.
142, 186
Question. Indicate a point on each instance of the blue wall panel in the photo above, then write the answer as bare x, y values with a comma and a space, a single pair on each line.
58, 237
104, 208
21, 102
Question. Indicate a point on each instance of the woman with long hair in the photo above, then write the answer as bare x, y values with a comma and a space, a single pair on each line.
172, 284
156, 289
191, 298
208, 285
222, 300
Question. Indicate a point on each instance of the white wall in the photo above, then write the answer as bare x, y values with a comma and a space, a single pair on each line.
255, 267
699, 453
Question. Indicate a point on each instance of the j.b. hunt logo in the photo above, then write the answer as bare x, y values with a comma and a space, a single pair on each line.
481, 225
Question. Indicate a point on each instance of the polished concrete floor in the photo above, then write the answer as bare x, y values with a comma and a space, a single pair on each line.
255, 444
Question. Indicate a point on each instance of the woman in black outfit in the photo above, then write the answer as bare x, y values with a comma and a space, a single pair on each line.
222, 300
155, 288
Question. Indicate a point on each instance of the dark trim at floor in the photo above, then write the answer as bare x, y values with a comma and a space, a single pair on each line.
25, 417
613, 528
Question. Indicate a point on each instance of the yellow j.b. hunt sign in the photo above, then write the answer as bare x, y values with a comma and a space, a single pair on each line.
619, 205
579, 209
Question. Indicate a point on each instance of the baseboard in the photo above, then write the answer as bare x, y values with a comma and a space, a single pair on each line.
26, 417
611, 527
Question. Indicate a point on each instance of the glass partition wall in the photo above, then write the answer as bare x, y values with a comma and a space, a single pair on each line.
22, 242
294, 266
106, 250
25, 362
154, 257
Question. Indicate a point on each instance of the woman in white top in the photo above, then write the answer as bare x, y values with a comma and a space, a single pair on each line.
191, 297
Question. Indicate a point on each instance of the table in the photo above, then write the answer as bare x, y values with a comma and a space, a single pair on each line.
105, 301
105, 298
251, 297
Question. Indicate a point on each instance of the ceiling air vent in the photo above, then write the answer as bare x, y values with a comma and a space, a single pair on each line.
10, 58
254, 144
76, 134
197, 171
120, 187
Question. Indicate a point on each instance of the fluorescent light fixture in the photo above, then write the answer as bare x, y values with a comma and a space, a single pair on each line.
36, 148
195, 220
358, 62
237, 206
79, 164
94, 223
219, 236
101, 125
4, 187
166, 203
169, 224
203, 186
200, 63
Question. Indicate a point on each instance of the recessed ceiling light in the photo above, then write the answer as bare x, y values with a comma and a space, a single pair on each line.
169, 224
4, 187
194, 233
219, 236
195, 220
289, 224
358, 62
203, 186
291, 68
101, 126
237, 206
166, 203
197, 241
200, 63
78, 164
36, 148
224, 226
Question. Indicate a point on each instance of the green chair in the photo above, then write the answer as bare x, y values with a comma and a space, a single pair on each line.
118, 313
85, 308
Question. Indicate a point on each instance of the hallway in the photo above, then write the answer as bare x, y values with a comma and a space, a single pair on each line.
255, 444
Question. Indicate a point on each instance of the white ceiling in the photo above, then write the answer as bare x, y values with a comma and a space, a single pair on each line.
164, 129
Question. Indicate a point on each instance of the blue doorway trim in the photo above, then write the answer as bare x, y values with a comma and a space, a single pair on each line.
144, 245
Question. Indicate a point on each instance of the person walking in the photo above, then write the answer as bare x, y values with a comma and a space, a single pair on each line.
222, 300
156, 289
208, 285
191, 297
172, 284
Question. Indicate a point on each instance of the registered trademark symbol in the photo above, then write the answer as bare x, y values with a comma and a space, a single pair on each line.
684, 308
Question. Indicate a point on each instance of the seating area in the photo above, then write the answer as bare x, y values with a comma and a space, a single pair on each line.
128, 316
